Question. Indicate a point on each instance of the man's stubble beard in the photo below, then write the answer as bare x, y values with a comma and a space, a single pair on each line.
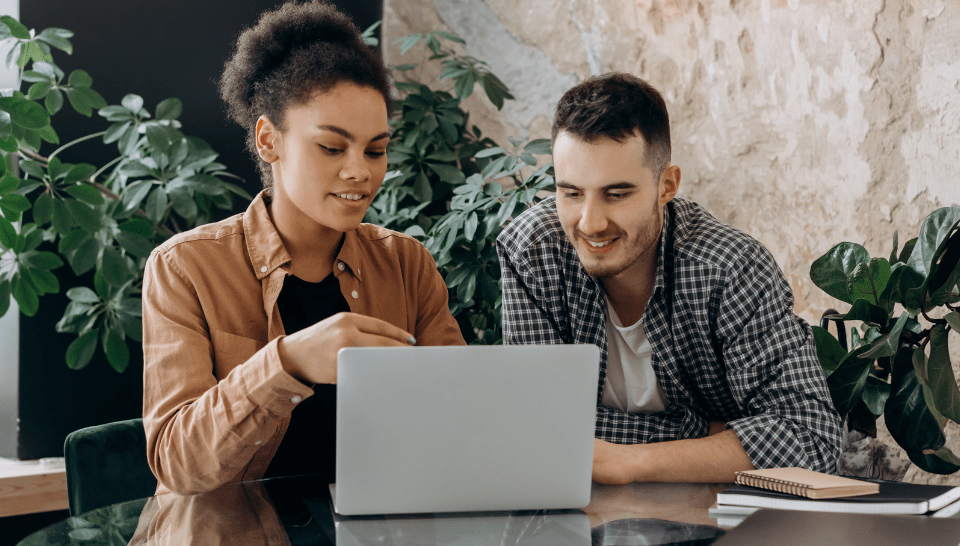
645, 241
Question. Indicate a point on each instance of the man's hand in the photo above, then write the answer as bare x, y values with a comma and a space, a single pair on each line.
310, 355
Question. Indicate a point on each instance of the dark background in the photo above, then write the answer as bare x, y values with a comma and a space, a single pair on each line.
156, 49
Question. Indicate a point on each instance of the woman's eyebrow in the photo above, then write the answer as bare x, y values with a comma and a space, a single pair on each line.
348, 135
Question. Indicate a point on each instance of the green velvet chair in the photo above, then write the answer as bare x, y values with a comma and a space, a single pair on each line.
107, 464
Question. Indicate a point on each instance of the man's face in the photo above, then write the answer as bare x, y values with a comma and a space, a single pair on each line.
609, 203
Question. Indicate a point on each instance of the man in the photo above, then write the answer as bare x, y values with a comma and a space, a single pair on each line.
704, 370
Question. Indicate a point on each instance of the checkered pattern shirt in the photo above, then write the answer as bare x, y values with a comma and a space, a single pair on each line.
726, 344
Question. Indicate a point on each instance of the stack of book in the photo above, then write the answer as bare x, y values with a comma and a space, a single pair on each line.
800, 489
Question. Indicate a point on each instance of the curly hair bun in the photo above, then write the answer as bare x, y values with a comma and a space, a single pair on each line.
293, 52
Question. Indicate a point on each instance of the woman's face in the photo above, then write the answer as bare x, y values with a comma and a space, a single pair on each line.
330, 159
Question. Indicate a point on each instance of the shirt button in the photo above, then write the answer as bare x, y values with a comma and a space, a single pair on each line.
340, 266
258, 442
263, 269
354, 294
296, 399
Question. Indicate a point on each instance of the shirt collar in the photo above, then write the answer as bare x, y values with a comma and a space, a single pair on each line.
266, 249
264, 245
665, 232
349, 255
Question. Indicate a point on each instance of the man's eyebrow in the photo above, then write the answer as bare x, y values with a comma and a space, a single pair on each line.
614, 186
348, 135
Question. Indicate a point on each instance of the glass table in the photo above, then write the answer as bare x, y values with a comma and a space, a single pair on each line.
296, 510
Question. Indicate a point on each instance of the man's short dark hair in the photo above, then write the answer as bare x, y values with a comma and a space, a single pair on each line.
617, 106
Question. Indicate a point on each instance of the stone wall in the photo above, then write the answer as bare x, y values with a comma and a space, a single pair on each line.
802, 122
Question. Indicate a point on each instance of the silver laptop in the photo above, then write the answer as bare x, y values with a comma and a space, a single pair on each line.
463, 429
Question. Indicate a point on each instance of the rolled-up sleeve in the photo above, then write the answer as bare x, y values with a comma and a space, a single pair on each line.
201, 432
773, 371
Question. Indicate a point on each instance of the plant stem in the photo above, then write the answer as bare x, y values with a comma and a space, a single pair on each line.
105, 167
932, 320
106, 192
27, 154
231, 175
67, 145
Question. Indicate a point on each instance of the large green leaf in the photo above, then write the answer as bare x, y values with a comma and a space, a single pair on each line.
908, 419
936, 228
935, 462
45, 281
84, 258
17, 30
114, 267
86, 217
829, 351
943, 282
864, 311
115, 346
846, 383
832, 271
876, 392
61, 218
4, 297
25, 113
169, 109
42, 260
869, 279
26, 296
83, 294
134, 244
86, 193
888, 344
81, 350
953, 319
940, 377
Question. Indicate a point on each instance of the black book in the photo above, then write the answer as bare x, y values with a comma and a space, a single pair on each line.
893, 498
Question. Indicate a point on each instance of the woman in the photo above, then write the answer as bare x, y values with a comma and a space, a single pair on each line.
243, 318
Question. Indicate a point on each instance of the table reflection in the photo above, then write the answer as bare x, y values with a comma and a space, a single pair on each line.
292, 511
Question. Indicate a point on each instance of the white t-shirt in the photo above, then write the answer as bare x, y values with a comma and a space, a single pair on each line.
631, 384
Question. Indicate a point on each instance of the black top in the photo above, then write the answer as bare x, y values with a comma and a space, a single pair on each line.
310, 443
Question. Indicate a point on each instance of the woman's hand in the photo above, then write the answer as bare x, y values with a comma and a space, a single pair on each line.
310, 355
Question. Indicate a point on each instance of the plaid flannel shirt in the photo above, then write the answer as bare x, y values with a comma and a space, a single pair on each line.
726, 344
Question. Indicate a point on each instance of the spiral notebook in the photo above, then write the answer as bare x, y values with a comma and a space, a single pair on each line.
806, 483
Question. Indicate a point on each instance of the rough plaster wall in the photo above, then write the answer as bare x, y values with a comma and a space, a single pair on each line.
802, 122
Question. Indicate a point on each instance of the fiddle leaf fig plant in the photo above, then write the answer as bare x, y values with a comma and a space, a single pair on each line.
451, 187
898, 364
95, 222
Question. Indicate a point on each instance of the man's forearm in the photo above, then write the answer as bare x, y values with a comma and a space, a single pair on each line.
713, 459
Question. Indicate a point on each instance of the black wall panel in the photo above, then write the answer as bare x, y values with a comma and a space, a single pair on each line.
156, 49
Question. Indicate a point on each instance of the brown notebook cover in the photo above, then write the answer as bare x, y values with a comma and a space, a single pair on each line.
806, 483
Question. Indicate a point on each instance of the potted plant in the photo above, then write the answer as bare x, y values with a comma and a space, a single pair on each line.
454, 189
104, 219
898, 363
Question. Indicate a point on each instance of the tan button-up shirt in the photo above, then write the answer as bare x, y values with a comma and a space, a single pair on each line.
216, 400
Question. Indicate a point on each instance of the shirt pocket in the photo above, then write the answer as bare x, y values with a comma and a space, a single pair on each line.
231, 350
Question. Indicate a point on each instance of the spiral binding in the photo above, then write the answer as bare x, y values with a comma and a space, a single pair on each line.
773, 484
